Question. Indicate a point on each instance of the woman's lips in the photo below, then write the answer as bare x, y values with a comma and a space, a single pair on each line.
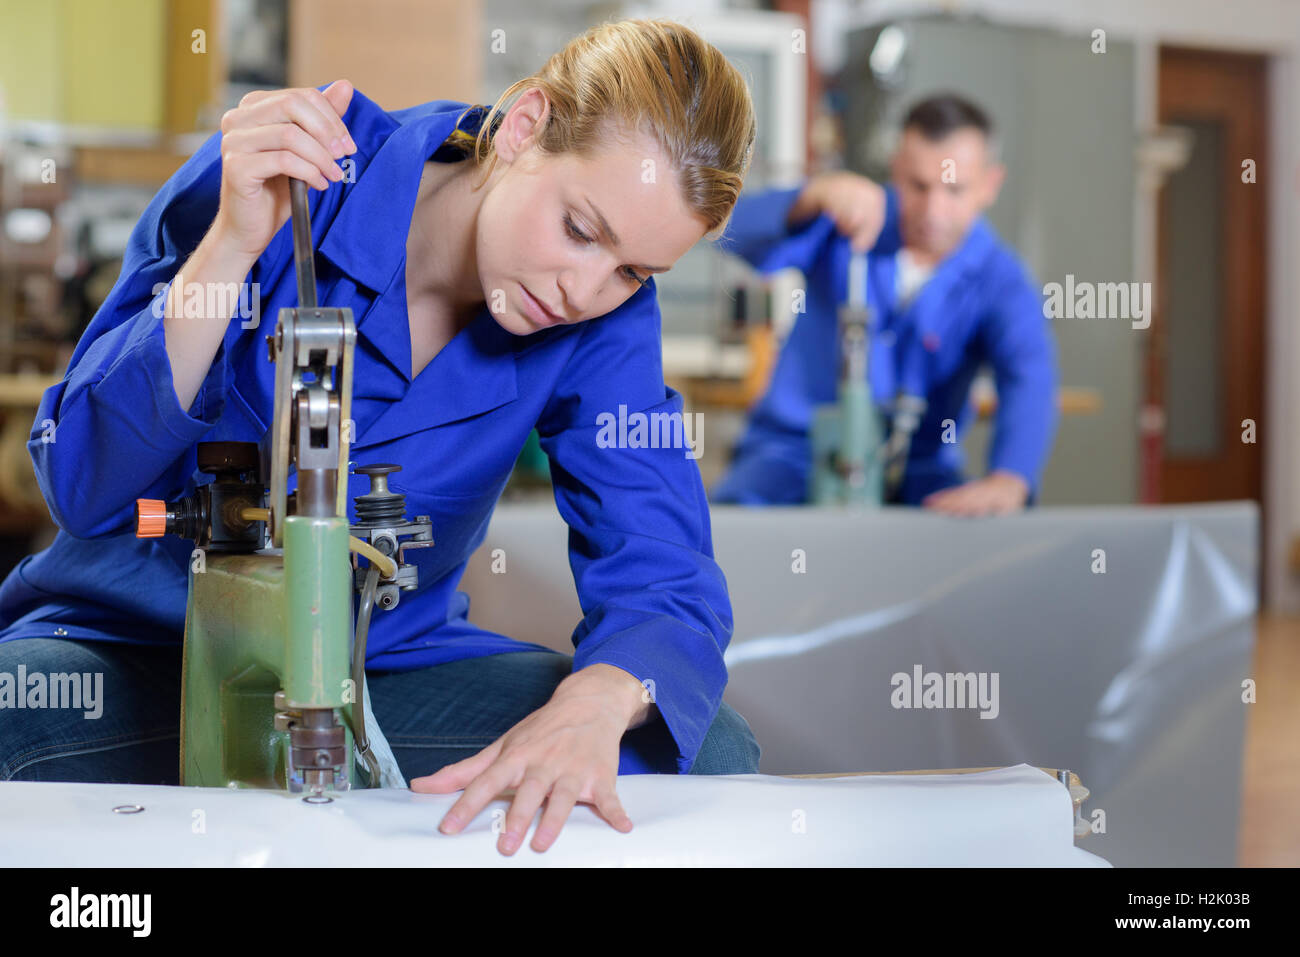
538, 312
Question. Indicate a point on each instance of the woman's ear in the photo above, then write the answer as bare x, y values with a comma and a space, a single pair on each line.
522, 125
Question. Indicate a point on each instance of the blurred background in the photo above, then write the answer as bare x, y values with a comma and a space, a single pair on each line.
1125, 164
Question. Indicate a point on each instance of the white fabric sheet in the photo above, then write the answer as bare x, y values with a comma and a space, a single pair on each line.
1016, 816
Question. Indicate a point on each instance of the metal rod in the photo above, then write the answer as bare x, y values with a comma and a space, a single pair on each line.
316, 492
857, 279
302, 252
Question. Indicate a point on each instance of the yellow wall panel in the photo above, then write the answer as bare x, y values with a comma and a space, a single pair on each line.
96, 63
113, 61
29, 60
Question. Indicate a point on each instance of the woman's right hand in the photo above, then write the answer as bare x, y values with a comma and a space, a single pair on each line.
855, 203
270, 136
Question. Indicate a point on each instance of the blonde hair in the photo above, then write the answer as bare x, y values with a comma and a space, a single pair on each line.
656, 76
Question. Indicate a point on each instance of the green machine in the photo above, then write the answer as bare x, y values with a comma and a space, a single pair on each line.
273, 672
848, 435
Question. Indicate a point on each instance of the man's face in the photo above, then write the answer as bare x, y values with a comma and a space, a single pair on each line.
942, 187
540, 226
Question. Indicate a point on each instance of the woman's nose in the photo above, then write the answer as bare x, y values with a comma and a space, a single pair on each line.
580, 288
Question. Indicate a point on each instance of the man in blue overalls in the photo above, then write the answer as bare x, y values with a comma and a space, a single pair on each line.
946, 296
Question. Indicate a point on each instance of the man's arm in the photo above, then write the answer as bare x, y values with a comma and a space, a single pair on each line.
1018, 343
788, 228
1022, 352
759, 224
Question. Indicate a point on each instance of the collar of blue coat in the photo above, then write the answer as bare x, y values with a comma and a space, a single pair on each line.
366, 239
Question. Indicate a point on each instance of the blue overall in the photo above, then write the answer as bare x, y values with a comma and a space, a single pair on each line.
979, 306
655, 602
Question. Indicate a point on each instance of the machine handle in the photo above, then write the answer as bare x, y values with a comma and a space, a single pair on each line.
302, 252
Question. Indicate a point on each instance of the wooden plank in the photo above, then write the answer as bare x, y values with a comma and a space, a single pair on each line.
25, 391
194, 76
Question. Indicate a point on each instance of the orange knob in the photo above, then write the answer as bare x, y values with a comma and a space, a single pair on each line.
150, 518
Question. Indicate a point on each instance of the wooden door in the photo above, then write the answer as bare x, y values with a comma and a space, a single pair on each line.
1204, 367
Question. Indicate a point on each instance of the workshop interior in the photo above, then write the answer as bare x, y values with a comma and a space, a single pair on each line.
1099, 669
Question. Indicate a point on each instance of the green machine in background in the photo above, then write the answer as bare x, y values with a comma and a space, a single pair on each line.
848, 451
273, 672
859, 454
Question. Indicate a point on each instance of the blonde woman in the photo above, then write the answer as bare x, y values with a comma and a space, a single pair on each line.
500, 268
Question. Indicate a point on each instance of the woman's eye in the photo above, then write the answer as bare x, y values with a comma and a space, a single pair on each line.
628, 272
573, 230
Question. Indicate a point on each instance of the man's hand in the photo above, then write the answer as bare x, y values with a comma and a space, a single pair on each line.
996, 494
564, 752
855, 203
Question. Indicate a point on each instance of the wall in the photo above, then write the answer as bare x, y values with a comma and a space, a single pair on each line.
85, 63
397, 52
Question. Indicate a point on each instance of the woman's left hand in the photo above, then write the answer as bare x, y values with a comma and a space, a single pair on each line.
564, 752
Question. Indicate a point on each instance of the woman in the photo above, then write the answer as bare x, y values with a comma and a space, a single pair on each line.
500, 274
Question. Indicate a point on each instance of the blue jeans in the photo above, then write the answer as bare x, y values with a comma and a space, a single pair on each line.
431, 716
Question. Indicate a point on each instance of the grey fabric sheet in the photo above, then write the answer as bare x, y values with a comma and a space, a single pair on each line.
1131, 677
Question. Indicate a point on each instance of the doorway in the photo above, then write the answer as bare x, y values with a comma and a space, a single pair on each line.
1204, 363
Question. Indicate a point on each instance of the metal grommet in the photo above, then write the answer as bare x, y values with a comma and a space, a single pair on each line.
60, 631
317, 799
128, 809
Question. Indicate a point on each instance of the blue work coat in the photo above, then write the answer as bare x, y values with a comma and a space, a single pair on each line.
978, 306
655, 602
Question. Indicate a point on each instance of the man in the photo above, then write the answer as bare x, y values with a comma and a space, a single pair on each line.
946, 295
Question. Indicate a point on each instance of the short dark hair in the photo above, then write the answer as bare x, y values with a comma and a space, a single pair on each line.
937, 116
